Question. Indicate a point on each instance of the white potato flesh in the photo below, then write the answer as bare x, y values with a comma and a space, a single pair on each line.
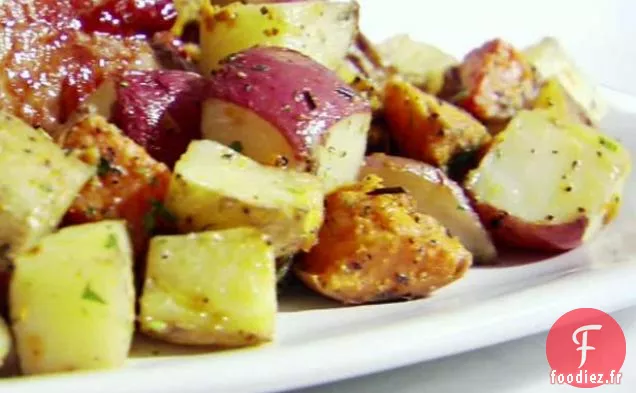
551, 61
322, 30
337, 157
72, 300
38, 184
437, 196
542, 171
211, 288
419, 63
214, 187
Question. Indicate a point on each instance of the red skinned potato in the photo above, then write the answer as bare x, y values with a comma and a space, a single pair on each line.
129, 17
572, 189
159, 110
437, 196
281, 108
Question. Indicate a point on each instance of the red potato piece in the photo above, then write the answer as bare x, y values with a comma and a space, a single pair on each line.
437, 196
282, 108
375, 247
571, 191
497, 81
159, 110
129, 183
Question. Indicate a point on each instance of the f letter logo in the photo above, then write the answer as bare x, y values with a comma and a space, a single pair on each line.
586, 348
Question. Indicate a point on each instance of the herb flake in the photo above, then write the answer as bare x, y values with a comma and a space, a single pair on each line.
90, 295
111, 241
387, 190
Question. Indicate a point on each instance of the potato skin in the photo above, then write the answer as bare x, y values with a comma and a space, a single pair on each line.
128, 185
428, 129
297, 95
512, 231
497, 81
377, 248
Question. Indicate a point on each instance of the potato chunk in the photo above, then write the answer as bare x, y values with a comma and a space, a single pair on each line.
551, 61
129, 183
375, 247
553, 98
214, 187
428, 129
570, 191
74, 310
38, 185
497, 81
211, 288
322, 30
419, 63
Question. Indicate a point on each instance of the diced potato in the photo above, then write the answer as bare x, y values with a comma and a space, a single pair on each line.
374, 247
418, 63
5, 342
571, 189
437, 196
129, 183
214, 187
551, 61
211, 288
553, 98
38, 185
72, 300
428, 129
496, 82
322, 30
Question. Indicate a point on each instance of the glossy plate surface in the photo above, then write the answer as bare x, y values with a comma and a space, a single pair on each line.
319, 341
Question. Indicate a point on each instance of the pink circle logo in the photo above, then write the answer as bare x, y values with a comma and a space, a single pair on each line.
586, 348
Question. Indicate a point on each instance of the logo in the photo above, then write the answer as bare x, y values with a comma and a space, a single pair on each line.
586, 348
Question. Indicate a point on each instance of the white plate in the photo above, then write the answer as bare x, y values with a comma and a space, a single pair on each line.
320, 342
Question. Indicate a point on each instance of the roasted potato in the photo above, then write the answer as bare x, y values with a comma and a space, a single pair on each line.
74, 310
38, 185
159, 110
129, 184
572, 189
323, 30
214, 187
553, 98
496, 82
211, 288
428, 129
552, 62
374, 246
418, 63
284, 109
437, 196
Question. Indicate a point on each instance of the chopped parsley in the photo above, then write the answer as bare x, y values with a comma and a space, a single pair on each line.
157, 211
111, 242
105, 167
91, 295
608, 144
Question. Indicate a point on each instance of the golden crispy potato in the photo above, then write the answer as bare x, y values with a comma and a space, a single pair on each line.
428, 129
375, 247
